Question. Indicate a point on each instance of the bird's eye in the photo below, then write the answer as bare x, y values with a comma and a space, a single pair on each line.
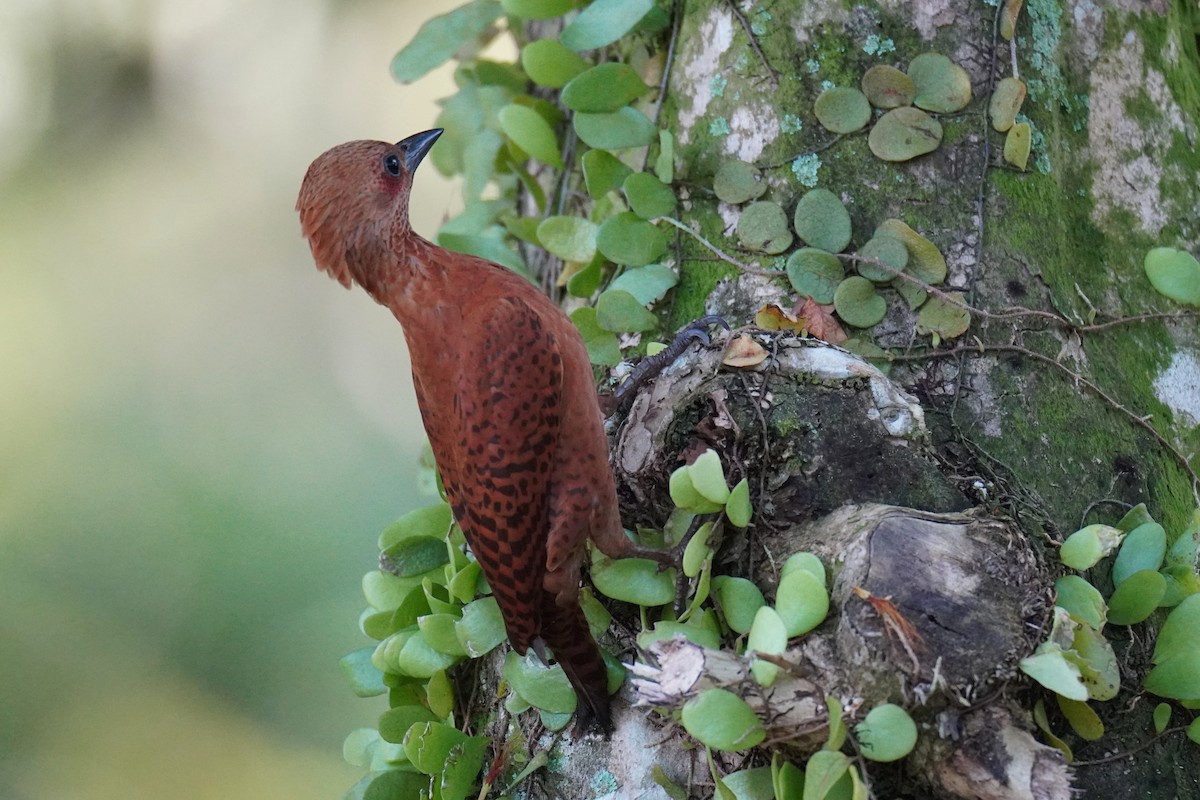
391, 165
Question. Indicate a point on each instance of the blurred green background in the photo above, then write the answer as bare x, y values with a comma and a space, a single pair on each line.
201, 435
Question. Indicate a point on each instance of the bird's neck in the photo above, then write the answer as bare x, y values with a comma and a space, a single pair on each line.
413, 272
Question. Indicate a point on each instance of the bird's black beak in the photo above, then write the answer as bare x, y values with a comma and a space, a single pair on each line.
416, 146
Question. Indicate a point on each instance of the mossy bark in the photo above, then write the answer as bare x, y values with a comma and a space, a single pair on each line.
1114, 102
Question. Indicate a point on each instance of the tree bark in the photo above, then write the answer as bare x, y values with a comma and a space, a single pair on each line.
1030, 420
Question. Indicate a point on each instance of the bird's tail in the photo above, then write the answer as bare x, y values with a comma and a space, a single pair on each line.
565, 630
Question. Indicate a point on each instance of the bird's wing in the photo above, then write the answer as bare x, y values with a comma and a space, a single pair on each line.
509, 407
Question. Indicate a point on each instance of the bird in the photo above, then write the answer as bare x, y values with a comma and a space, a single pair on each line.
506, 394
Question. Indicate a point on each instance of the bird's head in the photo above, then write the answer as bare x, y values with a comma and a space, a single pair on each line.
354, 200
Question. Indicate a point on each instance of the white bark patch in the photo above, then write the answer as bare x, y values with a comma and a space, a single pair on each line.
1178, 386
1130, 154
700, 61
926, 16
750, 130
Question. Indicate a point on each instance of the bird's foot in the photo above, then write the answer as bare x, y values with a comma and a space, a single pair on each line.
668, 557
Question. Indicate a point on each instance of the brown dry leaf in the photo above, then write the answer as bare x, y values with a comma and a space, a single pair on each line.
744, 352
820, 322
773, 318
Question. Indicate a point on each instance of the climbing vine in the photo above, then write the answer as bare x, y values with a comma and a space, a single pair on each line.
568, 177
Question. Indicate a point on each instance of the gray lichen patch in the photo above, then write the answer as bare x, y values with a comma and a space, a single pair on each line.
1178, 386
1130, 153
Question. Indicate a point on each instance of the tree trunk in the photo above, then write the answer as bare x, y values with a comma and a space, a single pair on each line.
1034, 425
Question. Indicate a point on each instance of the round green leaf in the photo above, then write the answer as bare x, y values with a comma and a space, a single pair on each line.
697, 551
633, 580
1081, 600
887, 87
1174, 273
737, 182
943, 319
708, 477
1086, 546
1051, 669
763, 226
619, 311
414, 555
419, 659
603, 88
461, 769
842, 109
802, 601
815, 273
1193, 730
887, 734
822, 221
1143, 548
603, 22
685, 496
428, 745
750, 784
925, 261
537, 9
805, 561
912, 293
544, 687
825, 774
362, 676
386, 592
1006, 103
529, 131
1136, 597
394, 784
648, 283
1017, 144
439, 631
396, 722
943, 87
1097, 663
739, 600
1180, 633
767, 635
441, 37
1177, 678
603, 172
666, 629
721, 720
1082, 718
1162, 717
648, 196
737, 508
569, 238
628, 239
602, 345
857, 302
431, 520
1134, 517
548, 63
626, 127
904, 133
892, 252
359, 746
